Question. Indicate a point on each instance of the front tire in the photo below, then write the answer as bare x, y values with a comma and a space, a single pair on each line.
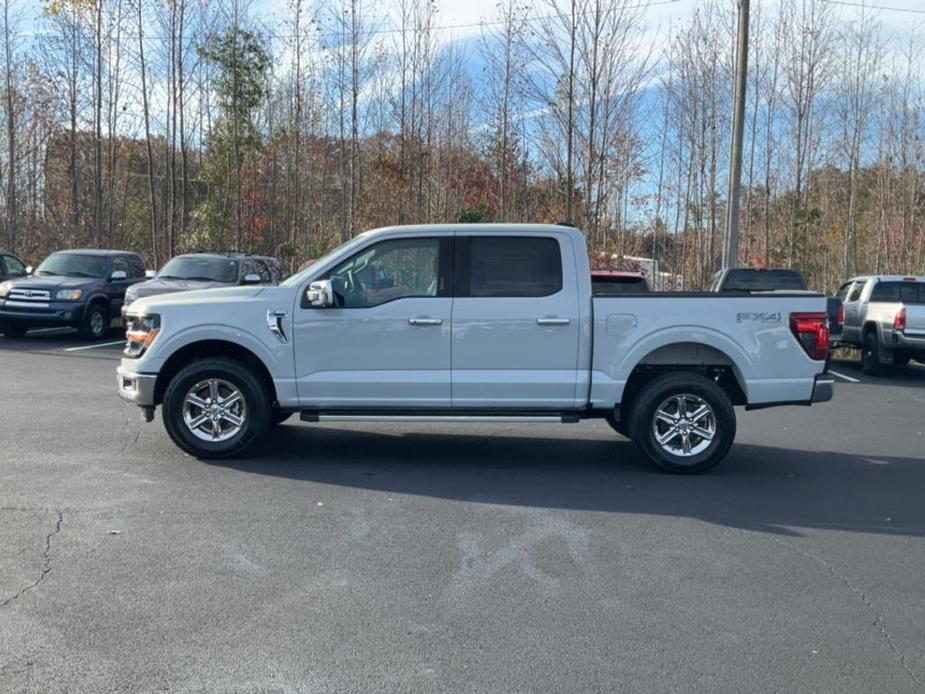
216, 407
95, 323
683, 422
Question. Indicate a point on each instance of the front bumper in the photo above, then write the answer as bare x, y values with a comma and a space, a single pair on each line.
50, 313
135, 387
823, 388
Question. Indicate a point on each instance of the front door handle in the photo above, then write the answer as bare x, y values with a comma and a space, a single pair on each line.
425, 321
553, 321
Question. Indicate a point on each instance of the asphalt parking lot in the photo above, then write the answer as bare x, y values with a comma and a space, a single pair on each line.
454, 558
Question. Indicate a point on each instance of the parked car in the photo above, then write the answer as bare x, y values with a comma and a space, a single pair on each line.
744, 279
885, 318
80, 289
207, 270
612, 282
479, 321
11, 267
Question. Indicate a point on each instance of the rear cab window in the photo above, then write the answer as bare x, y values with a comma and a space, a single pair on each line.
508, 266
896, 292
747, 280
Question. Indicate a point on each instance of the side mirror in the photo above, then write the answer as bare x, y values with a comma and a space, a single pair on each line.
149, 274
118, 275
251, 279
320, 294
29, 269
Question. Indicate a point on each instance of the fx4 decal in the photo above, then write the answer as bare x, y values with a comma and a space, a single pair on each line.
762, 317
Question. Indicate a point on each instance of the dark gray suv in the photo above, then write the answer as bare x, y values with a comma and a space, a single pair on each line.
207, 270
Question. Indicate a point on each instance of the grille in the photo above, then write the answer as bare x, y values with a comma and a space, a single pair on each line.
29, 295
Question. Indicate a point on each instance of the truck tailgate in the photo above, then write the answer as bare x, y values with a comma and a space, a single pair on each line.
915, 320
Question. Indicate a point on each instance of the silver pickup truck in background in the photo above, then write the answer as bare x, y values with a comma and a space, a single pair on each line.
885, 319
471, 321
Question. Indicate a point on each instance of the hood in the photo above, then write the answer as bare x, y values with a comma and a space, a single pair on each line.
157, 287
53, 282
204, 297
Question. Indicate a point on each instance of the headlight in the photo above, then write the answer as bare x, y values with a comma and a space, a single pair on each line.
129, 298
5, 289
140, 332
69, 295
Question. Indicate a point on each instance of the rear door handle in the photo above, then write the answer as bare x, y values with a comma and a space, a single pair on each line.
425, 321
553, 321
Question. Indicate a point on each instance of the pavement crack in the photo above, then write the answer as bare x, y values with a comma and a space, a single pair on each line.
857, 590
46, 562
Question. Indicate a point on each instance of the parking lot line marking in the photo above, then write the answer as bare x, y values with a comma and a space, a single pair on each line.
102, 344
850, 379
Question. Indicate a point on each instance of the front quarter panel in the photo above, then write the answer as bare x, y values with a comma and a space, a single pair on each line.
242, 322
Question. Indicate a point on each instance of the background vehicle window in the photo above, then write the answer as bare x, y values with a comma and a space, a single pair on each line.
14, 268
120, 263
514, 266
856, 291
138, 266
389, 270
263, 271
894, 292
843, 291
747, 280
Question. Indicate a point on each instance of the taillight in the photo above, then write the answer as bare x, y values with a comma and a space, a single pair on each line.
899, 323
812, 332
840, 316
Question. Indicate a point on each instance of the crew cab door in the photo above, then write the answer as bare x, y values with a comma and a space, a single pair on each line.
852, 331
386, 342
515, 322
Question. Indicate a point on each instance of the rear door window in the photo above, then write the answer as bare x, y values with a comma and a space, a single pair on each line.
137, 265
856, 290
508, 266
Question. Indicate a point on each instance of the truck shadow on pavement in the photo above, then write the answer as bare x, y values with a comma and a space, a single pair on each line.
759, 488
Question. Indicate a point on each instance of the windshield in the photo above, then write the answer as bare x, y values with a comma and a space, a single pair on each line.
200, 269
297, 277
763, 280
73, 265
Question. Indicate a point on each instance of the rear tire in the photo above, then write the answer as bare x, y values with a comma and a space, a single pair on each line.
683, 422
13, 328
870, 355
239, 403
95, 323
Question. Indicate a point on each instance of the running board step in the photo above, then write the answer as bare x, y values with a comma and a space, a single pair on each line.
310, 416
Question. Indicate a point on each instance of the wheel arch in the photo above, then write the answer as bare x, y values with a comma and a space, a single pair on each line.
202, 349
687, 355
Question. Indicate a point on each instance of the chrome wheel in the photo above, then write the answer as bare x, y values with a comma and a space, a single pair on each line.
214, 410
684, 425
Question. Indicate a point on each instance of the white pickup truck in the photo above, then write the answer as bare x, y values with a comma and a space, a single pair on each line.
470, 322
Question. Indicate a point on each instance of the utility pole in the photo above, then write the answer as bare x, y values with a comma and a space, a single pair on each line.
731, 240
